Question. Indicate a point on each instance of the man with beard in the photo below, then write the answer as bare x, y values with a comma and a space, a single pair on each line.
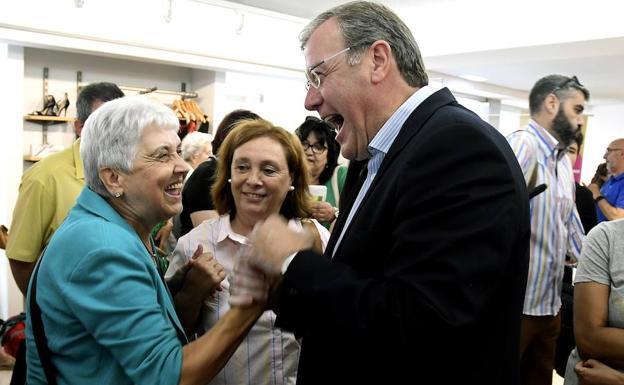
609, 198
556, 104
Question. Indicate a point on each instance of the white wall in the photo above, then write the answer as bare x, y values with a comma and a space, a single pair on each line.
279, 100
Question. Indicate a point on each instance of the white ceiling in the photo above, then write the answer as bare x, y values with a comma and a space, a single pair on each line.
597, 62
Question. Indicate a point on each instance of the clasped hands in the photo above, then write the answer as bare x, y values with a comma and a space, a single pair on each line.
258, 270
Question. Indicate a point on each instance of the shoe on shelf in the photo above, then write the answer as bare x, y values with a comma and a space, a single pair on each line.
62, 105
49, 107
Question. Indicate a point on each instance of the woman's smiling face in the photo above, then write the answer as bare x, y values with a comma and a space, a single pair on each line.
260, 178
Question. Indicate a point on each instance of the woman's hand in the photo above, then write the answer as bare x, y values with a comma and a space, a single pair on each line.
323, 212
204, 274
162, 236
592, 372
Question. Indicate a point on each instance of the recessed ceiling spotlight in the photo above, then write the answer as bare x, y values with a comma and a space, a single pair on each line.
473, 78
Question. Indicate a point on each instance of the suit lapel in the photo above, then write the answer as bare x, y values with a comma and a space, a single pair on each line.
411, 127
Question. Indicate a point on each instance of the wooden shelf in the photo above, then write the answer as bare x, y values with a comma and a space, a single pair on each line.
48, 119
30, 158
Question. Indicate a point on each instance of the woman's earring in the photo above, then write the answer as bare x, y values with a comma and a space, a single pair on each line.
230, 180
291, 188
117, 194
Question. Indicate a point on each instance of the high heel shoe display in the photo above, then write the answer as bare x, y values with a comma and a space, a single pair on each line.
49, 107
62, 105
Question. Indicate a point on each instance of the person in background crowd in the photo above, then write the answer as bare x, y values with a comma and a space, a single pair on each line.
47, 192
321, 149
598, 315
583, 196
261, 171
196, 148
196, 201
601, 175
426, 264
556, 105
610, 197
105, 310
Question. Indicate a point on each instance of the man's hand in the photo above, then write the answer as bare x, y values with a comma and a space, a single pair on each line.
204, 274
592, 372
248, 284
273, 241
323, 212
595, 190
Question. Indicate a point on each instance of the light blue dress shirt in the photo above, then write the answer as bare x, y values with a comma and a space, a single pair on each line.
380, 145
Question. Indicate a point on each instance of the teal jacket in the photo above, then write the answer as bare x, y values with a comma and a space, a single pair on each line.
107, 315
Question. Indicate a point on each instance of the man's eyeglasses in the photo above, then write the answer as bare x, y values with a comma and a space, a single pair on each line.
316, 148
313, 78
573, 81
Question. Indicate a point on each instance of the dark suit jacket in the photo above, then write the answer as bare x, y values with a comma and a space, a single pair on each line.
427, 285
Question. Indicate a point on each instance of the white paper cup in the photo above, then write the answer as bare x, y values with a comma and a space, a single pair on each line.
318, 192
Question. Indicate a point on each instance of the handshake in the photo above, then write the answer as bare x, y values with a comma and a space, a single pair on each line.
258, 270
259, 267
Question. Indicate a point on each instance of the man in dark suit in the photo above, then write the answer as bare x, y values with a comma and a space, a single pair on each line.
423, 278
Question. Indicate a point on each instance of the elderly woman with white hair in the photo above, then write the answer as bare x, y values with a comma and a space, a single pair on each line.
196, 148
99, 311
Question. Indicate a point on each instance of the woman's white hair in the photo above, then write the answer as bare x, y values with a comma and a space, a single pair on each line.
111, 135
194, 143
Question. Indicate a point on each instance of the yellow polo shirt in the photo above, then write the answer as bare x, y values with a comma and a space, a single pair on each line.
47, 192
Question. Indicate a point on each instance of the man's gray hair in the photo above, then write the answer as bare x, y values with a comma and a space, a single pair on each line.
362, 23
112, 133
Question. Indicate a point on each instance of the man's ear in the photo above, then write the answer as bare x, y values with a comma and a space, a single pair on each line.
551, 104
78, 127
112, 179
382, 60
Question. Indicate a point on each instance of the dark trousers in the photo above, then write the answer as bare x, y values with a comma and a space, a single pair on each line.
538, 338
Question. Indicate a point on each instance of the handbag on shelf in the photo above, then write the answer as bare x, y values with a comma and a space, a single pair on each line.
4, 236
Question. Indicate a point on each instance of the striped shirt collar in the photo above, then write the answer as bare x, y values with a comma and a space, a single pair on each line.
547, 142
389, 131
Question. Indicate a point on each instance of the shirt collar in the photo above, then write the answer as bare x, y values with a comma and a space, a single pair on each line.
617, 177
225, 231
389, 131
549, 144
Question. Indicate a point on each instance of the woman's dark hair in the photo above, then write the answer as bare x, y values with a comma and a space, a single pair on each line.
227, 124
601, 172
326, 135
